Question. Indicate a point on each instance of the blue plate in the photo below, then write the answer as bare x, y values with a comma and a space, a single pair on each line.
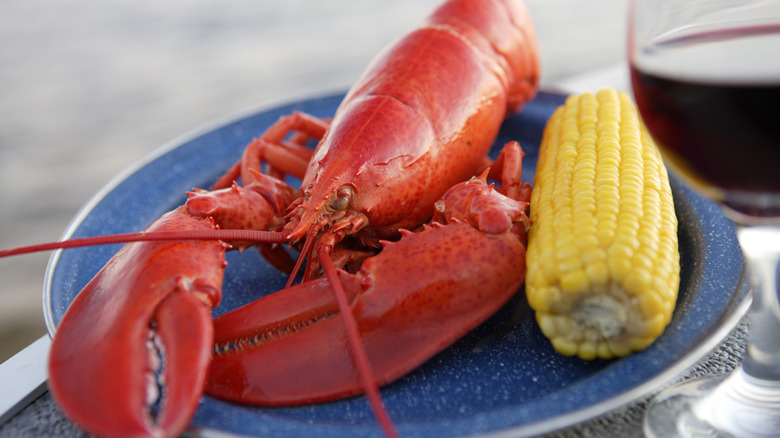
503, 377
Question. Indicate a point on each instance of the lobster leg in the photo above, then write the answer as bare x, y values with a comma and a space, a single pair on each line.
284, 158
508, 168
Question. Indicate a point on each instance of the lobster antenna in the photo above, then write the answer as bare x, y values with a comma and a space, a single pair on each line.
151, 236
305, 251
367, 378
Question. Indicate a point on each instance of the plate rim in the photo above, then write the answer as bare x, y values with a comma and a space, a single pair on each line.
647, 389
729, 320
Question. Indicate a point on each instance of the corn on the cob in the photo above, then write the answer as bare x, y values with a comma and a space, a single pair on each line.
602, 259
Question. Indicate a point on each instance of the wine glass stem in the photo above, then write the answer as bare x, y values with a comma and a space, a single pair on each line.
761, 245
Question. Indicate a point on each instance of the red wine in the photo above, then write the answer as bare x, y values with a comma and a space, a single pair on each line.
712, 103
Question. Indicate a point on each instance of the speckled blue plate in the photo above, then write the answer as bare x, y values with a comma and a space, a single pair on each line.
503, 378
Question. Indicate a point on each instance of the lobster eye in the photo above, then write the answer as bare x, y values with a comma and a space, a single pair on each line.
343, 196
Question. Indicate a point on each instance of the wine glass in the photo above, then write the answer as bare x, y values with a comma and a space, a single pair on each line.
706, 79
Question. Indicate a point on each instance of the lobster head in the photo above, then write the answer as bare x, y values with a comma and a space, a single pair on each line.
320, 208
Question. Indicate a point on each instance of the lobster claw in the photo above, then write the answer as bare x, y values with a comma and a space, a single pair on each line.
130, 355
412, 300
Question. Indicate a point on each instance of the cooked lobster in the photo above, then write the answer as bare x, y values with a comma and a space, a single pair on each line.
407, 245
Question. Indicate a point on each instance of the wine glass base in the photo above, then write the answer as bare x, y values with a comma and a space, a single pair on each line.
716, 407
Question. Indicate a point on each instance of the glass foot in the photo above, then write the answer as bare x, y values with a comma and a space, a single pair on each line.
737, 406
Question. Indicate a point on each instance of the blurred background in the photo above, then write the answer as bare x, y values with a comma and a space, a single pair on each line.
87, 88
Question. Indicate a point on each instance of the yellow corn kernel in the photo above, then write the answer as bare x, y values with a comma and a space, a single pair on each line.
604, 233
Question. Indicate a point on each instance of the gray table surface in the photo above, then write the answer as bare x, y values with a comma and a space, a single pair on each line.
88, 88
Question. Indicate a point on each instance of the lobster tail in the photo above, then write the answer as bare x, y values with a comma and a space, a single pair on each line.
503, 32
